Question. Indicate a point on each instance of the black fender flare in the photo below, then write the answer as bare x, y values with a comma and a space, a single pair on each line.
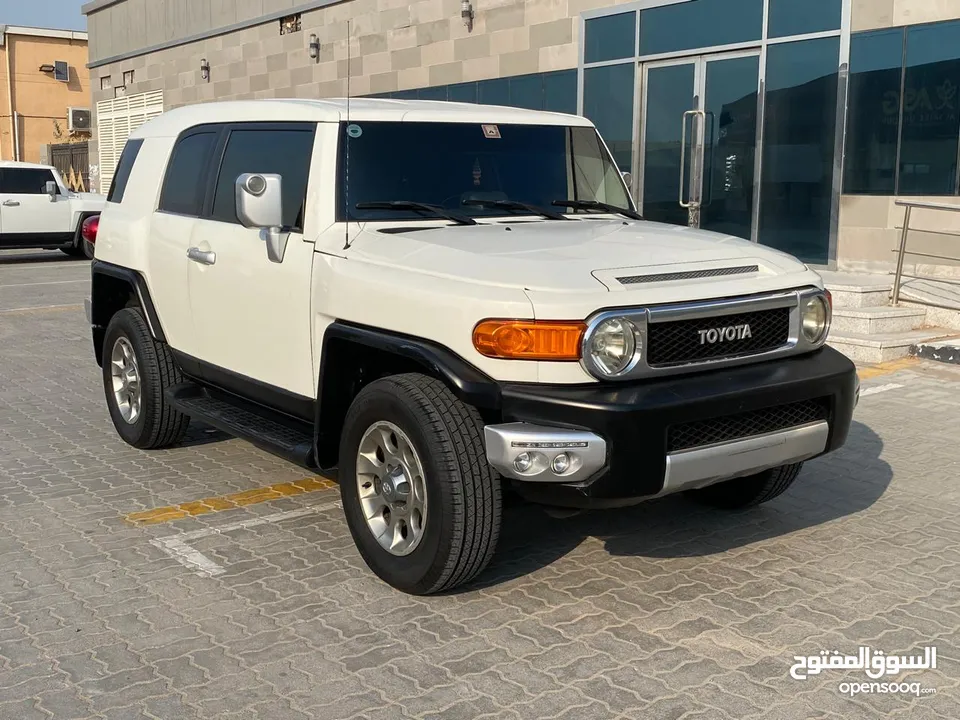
104, 279
342, 376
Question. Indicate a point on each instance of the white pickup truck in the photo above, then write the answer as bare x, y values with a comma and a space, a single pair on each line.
37, 210
440, 300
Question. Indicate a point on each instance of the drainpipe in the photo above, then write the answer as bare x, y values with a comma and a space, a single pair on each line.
13, 114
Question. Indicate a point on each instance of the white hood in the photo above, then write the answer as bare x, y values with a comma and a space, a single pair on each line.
577, 256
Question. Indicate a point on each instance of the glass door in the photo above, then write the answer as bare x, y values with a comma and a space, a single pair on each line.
699, 142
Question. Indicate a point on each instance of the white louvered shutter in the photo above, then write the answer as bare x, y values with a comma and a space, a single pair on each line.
116, 119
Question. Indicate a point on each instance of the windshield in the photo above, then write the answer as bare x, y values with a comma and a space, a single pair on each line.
467, 167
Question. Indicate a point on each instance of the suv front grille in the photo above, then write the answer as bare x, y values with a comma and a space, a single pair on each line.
682, 341
743, 425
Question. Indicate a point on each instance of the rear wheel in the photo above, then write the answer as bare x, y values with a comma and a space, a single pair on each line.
420, 499
136, 371
748, 491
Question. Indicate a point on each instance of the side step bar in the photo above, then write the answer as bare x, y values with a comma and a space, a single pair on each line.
264, 428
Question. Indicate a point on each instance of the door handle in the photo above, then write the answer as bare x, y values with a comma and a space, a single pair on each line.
683, 152
11, 203
204, 257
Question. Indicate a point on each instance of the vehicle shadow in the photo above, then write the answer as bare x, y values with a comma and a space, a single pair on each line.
40, 256
840, 484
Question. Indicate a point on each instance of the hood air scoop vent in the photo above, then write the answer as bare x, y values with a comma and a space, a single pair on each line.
688, 275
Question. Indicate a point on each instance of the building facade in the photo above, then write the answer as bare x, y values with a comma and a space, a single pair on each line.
793, 124
43, 73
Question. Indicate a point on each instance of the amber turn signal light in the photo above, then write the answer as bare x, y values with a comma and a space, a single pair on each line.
529, 339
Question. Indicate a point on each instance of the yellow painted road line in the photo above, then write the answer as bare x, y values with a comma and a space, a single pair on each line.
887, 368
228, 502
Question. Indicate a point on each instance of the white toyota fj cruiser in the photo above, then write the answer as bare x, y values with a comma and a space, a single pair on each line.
37, 210
437, 298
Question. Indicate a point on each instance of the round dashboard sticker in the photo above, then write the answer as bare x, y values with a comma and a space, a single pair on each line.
354, 131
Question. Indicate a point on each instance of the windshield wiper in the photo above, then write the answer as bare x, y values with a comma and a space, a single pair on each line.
417, 207
599, 206
518, 206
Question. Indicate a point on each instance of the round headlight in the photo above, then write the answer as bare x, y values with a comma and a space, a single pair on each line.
814, 319
612, 346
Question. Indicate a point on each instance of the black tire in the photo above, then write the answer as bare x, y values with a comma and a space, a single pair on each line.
748, 491
158, 425
464, 502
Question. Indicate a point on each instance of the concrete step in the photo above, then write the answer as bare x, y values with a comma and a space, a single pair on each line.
946, 350
940, 297
877, 320
852, 290
879, 348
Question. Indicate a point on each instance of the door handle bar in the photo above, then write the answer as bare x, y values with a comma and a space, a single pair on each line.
204, 257
11, 203
683, 151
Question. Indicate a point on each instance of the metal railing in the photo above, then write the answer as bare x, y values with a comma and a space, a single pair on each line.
910, 205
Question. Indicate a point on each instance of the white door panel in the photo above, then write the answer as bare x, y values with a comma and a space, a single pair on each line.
167, 278
252, 316
36, 214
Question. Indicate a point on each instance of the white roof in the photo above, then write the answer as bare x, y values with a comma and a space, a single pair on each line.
13, 164
173, 122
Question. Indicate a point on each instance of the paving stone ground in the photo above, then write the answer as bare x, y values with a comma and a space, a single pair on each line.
666, 610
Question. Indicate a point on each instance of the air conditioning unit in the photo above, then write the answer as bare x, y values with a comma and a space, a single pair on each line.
78, 120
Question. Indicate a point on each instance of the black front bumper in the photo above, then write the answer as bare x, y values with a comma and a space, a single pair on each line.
635, 419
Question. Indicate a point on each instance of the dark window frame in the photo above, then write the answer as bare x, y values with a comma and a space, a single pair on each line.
121, 177
216, 129
52, 177
219, 152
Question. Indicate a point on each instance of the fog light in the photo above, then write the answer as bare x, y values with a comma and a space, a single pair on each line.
561, 463
523, 462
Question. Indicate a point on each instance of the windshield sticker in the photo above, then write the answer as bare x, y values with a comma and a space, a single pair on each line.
491, 131
477, 173
354, 131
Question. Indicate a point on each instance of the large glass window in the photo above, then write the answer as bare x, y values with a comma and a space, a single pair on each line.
560, 91
700, 24
798, 152
873, 114
798, 17
127, 158
610, 37
450, 164
931, 120
608, 102
187, 174
285, 152
25, 181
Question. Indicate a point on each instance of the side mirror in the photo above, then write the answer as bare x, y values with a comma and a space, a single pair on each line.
51, 189
260, 205
627, 178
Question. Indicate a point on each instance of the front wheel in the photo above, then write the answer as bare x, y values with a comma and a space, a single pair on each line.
748, 491
421, 501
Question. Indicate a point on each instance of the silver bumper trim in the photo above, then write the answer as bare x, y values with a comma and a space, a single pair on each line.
704, 466
587, 453
88, 310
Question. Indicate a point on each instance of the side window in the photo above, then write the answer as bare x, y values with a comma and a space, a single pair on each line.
25, 181
185, 182
284, 152
124, 168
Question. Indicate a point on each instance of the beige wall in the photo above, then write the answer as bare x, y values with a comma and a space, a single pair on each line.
37, 97
875, 14
870, 228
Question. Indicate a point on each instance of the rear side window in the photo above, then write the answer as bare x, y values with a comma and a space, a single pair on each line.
124, 168
25, 181
285, 152
185, 182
